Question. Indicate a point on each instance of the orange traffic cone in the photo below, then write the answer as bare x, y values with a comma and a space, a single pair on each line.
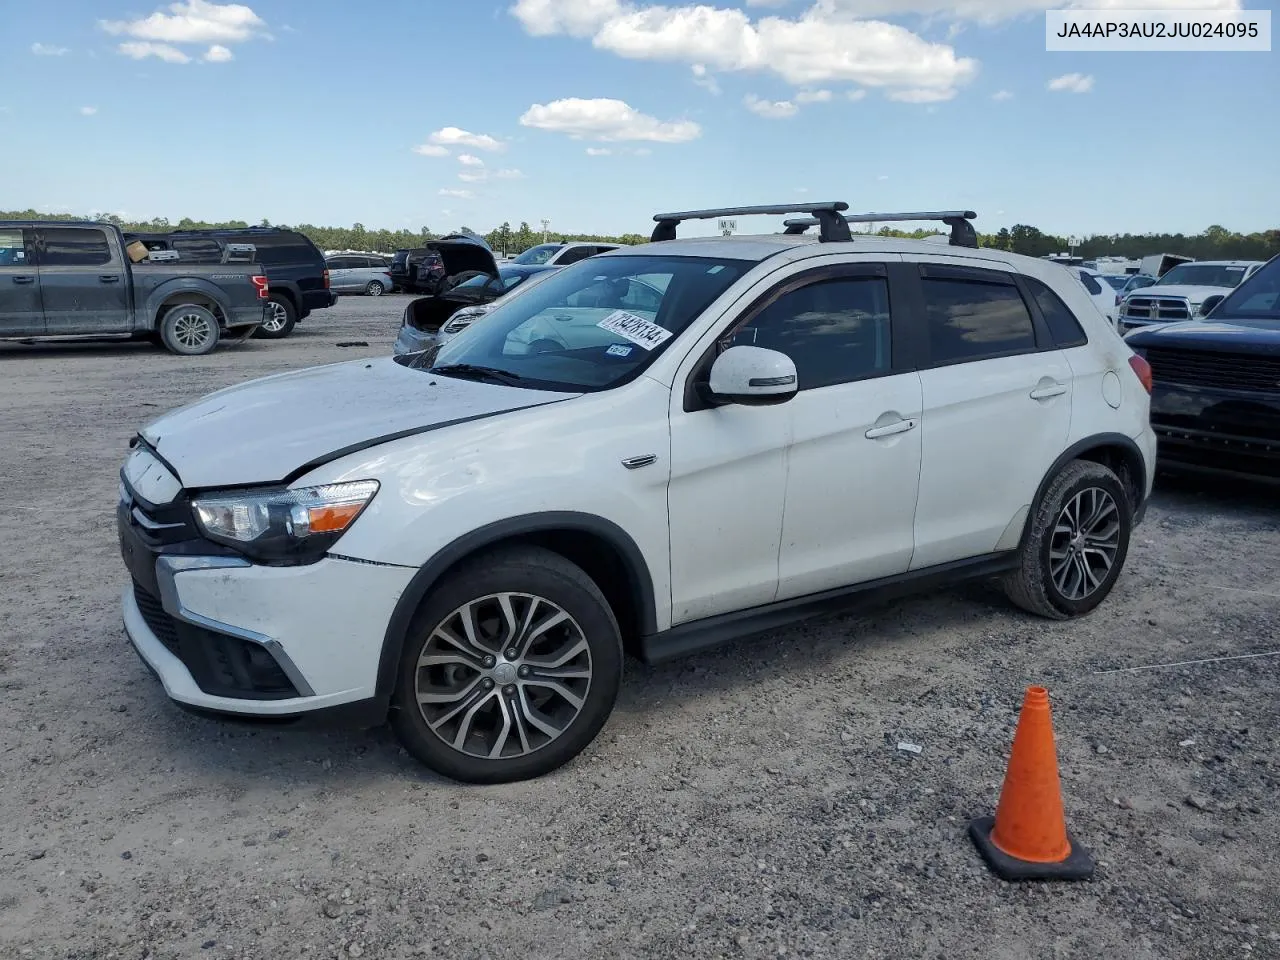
1027, 839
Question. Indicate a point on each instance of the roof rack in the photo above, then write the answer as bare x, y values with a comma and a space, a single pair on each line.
962, 232
826, 215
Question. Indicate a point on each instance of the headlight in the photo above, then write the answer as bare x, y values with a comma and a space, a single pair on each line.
283, 526
463, 319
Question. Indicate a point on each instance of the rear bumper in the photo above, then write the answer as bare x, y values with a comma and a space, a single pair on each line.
412, 340
253, 316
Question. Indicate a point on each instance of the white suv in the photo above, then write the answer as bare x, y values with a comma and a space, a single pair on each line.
655, 450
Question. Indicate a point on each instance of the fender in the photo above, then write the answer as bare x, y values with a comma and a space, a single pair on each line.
180, 285
1074, 451
639, 579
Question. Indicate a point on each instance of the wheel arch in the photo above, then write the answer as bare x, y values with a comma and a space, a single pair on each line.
1115, 451
604, 551
200, 293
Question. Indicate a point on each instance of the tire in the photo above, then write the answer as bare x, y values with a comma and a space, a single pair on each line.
479, 693
189, 330
1061, 574
280, 319
374, 289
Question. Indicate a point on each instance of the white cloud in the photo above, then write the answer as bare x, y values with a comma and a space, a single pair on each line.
922, 95
430, 150
195, 21
993, 11
478, 176
1002, 95
770, 109
813, 96
45, 50
509, 174
141, 49
606, 120
218, 54
859, 94
454, 137
88, 111
883, 176
703, 78
823, 44
1072, 83
459, 194
599, 152
470, 160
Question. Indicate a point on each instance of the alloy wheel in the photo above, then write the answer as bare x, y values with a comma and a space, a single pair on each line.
192, 330
1085, 542
277, 317
503, 675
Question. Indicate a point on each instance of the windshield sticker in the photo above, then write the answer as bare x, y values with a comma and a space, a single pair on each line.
636, 329
619, 350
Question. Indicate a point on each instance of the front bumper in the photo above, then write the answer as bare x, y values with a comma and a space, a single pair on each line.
1232, 433
228, 636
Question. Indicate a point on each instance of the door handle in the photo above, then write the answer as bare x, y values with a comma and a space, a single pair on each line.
24, 279
109, 278
889, 430
1048, 391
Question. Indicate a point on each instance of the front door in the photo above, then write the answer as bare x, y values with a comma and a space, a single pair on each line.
997, 397
83, 282
853, 456
21, 312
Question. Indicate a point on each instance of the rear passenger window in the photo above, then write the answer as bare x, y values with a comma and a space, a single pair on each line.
836, 331
576, 254
1062, 323
973, 319
199, 251
1090, 284
75, 247
13, 251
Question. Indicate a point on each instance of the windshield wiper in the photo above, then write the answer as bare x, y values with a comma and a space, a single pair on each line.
472, 371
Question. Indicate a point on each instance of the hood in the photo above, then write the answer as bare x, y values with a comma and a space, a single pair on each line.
1195, 294
268, 430
1258, 338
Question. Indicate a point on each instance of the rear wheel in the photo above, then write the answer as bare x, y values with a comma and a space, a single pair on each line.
510, 669
189, 330
1079, 538
280, 319
374, 289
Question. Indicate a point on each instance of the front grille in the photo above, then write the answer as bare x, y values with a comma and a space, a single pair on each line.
1225, 371
1157, 309
1213, 451
221, 665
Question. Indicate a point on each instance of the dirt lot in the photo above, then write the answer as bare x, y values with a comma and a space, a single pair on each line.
746, 803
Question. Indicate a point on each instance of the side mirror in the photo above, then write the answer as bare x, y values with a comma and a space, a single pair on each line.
1206, 308
752, 376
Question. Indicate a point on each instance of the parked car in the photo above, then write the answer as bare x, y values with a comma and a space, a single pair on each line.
359, 273
1136, 281
1179, 294
433, 320
657, 450
295, 269
561, 254
1099, 289
67, 279
452, 260
1215, 405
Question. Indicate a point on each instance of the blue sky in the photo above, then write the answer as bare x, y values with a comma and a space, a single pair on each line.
598, 113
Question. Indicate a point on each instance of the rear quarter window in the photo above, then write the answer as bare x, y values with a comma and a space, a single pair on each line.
1062, 323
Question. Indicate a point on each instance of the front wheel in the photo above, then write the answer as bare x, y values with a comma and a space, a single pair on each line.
510, 669
189, 330
280, 319
1079, 538
374, 289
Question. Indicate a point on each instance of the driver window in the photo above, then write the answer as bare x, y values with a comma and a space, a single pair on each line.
836, 331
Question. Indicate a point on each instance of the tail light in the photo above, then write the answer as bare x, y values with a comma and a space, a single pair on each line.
326, 278
261, 283
1143, 370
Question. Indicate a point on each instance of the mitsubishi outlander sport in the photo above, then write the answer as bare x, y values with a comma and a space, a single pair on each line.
653, 451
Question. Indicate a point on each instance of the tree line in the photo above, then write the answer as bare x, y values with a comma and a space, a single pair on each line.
1215, 243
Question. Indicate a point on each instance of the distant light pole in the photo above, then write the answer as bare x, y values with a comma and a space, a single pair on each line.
545, 226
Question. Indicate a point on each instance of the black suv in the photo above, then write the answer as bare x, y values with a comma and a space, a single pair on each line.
297, 277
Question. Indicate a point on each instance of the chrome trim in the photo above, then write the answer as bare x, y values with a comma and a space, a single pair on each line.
169, 567
635, 463
142, 520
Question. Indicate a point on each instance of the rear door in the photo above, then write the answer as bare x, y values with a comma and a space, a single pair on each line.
21, 313
83, 282
340, 272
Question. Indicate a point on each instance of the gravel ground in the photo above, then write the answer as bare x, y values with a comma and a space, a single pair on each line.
749, 802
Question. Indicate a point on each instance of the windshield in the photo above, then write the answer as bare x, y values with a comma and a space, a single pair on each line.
1257, 299
1117, 281
1203, 275
1139, 281
538, 255
590, 326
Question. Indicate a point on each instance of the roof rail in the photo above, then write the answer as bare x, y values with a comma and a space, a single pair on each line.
962, 232
826, 215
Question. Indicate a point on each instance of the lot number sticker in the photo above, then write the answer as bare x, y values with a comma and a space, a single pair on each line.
636, 329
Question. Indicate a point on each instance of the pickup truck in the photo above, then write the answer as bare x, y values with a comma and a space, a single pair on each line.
69, 279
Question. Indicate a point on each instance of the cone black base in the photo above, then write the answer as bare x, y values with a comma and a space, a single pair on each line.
1078, 866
